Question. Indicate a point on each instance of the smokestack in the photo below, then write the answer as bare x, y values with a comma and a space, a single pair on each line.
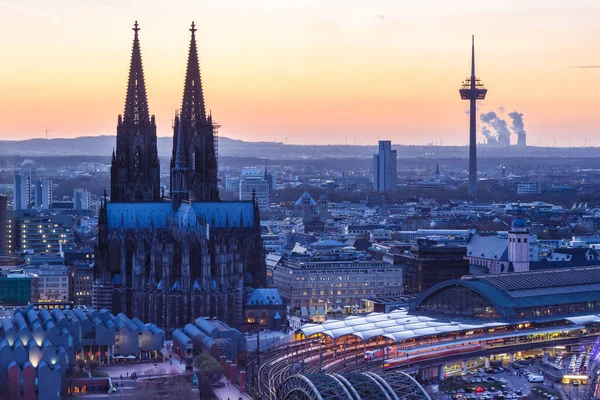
518, 128
489, 136
502, 136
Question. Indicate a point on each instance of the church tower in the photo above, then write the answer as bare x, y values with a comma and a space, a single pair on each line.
518, 245
179, 170
198, 134
135, 169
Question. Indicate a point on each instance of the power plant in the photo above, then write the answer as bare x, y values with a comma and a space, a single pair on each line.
472, 89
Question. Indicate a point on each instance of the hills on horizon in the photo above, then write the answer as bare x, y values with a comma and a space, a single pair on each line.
103, 146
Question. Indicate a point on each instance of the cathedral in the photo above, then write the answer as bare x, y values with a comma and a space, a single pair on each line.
170, 259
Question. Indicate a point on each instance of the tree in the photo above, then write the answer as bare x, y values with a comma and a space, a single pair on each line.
208, 367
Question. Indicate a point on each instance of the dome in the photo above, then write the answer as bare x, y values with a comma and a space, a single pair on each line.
309, 170
519, 223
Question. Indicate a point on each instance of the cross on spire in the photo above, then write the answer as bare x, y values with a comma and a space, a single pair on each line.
135, 27
193, 28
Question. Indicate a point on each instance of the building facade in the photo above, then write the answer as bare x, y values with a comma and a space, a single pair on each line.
384, 168
171, 260
82, 199
3, 226
310, 286
21, 191
42, 194
37, 233
255, 187
427, 264
81, 281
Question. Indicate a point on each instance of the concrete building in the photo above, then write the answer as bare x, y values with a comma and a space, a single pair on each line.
257, 188
38, 233
22, 191
81, 281
529, 188
42, 194
312, 285
3, 225
427, 264
53, 282
384, 168
82, 199
102, 295
518, 245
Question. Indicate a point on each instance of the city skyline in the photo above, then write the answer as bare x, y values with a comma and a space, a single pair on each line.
304, 72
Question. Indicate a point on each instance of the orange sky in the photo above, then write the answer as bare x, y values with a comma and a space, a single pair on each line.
310, 71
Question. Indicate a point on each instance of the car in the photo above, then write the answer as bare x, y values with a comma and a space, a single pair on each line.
519, 392
491, 379
492, 389
575, 383
502, 380
478, 380
535, 378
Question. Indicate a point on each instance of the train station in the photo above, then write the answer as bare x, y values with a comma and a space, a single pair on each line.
470, 322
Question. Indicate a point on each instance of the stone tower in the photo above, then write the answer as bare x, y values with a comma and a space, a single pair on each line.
135, 168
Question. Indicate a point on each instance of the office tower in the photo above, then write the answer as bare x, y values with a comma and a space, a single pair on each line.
22, 191
472, 89
82, 199
384, 168
3, 225
42, 194
257, 189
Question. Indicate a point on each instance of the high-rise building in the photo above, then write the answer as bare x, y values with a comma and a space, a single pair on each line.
42, 194
255, 189
3, 225
82, 199
384, 168
22, 191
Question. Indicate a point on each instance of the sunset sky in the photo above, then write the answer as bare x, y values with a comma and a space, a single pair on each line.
322, 71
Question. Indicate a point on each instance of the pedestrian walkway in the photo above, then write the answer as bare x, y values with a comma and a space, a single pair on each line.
230, 392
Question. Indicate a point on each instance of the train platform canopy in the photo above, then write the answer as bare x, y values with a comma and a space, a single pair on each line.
401, 325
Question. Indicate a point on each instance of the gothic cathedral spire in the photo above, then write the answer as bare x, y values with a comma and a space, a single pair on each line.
136, 102
199, 141
135, 169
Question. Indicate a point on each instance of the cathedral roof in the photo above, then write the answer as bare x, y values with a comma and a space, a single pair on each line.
157, 214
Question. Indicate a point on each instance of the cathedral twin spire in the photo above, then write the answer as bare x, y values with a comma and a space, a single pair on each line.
136, 103
192, 107
135, 174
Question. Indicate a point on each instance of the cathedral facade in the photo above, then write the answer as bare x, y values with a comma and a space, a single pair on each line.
169, 260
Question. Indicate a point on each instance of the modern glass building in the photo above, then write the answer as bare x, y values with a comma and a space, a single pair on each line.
16, 289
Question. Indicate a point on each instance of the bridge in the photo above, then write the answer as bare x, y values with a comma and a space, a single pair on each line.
394, 385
